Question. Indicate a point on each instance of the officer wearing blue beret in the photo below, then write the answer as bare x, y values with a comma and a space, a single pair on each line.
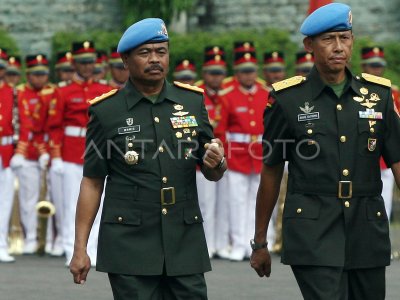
332, 127
147, 138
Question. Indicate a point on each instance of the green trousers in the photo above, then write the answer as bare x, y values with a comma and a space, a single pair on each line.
332, 283
162, 287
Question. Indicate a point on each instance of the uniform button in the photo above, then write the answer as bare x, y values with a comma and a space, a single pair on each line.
251, 111
298, 210
338, 107
156, 119
378, 214
343, 139
309, 131
164, 179
120, 219
372, 129
253, 123
130, 145
164, 211
189, 138
347, 204
250, 98
196, 218
345, 172
161, 149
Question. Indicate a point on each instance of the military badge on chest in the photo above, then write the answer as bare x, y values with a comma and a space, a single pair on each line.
131, 157
308, 115
130, 128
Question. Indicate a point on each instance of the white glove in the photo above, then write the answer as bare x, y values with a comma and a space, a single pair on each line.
44, 161
57, 165
17, 161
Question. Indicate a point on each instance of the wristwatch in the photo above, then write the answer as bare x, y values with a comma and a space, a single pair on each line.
256, 246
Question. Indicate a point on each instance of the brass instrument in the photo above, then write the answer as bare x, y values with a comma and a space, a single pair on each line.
44, 209
16, 233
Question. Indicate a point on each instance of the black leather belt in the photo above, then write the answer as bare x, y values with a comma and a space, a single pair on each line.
341, 189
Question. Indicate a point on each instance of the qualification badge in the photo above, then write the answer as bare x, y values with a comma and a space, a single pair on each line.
131, 157
371, 144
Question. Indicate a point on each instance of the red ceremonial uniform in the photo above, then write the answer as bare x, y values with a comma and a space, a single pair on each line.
243, 125
32, 107
68, 116
6, 126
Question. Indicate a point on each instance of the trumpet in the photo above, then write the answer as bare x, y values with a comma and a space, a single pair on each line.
44, 209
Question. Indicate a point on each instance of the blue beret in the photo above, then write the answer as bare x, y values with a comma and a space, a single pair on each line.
146, 30
331, 17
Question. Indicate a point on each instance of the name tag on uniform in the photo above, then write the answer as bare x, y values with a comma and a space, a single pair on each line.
370, 114
241, 109
183, 122
308, 117
129, 129
77, 100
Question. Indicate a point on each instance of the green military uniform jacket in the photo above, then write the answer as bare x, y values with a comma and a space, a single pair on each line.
151, 219
334, 214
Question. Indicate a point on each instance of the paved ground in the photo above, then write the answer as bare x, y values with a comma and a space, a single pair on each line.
45, 278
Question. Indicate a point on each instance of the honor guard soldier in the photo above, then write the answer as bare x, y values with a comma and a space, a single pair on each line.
119, 74
244, 105
31, 154
373, 62
332, 127
64, 68
67, 122
13, 72
304, 63
147, 138
7, 115
101, 66
274, 68
214, 211
185, 71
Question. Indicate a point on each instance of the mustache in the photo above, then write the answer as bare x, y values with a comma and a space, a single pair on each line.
154, 67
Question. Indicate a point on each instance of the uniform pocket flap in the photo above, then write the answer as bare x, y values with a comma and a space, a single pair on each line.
376, 211
123, 216
303, 208
192, 215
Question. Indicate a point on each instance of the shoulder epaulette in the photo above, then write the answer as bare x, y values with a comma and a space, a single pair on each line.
47, 91
102, 97
226, 90
63, 83
376, 79
284, 84
227, 79
20, 87
261, 81
189, 87
199, 82
102, 81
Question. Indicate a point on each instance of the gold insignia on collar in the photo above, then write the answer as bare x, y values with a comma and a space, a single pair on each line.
364, 91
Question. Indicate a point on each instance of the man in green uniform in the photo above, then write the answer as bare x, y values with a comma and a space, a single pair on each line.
147, 139
332, 127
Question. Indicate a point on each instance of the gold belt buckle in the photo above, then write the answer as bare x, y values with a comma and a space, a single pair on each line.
170, 190
340, 192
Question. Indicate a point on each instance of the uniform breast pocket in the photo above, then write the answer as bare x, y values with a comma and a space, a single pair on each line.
298, 206
131, 217
369, 137
376, 211
309, 140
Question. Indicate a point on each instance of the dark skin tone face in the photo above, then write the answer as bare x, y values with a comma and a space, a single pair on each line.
377, 71
65, 75
13, 79
2, 73
213, 81
246, 79
37, 81
332, 51
84, 70
148, 66
274, 76
120, 75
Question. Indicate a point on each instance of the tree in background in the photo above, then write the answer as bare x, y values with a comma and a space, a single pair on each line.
135, 10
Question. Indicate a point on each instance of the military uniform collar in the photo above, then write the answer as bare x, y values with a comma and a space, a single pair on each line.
133, 96
318, 84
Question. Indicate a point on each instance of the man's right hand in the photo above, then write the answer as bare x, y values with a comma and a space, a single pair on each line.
79, 267
57, 165
260, 261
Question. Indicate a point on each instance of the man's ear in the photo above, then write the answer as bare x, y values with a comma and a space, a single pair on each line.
124, 57
308, 44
